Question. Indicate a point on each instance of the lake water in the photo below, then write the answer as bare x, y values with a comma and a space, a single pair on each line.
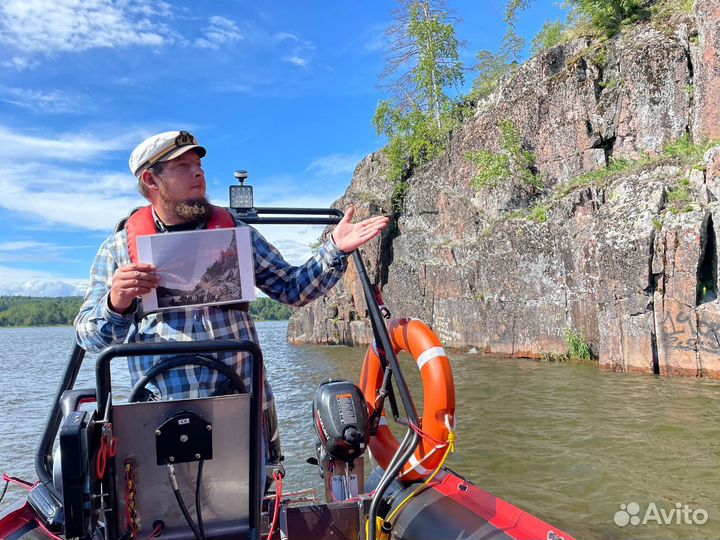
565, 442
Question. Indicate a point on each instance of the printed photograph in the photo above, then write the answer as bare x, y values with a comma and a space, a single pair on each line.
198, 268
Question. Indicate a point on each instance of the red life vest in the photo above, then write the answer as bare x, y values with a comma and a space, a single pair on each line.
142, 223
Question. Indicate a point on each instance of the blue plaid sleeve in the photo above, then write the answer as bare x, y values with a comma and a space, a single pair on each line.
96, 325
296, 285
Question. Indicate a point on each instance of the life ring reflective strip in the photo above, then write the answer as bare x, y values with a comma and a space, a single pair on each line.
413, 336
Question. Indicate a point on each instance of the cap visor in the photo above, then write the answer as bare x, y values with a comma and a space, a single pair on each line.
181, 150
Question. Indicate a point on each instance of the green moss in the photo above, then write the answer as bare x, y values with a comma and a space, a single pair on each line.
599, 176
611, 83
680, 152
315, 246
657, 223
679, 198
538, 214
600, 57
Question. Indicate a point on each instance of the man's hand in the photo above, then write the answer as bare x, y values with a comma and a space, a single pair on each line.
130, 282
349, 236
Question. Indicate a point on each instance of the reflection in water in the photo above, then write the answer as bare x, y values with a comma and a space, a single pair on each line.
565, 442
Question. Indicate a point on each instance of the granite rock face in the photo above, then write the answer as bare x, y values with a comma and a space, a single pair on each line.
620, 262
341, 316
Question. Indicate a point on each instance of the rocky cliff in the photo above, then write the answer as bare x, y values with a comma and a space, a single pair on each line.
625, 255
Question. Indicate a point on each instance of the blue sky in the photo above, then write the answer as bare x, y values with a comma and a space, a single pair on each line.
285, 90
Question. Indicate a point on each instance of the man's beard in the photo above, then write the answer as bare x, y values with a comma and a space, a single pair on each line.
189, 210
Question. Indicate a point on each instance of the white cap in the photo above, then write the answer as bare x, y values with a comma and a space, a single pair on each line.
163, 147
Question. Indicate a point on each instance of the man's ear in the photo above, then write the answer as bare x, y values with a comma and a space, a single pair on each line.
149, 179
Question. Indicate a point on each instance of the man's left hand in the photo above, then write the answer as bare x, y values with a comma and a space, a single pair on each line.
349, 236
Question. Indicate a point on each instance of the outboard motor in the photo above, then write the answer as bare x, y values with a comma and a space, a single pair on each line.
340, 419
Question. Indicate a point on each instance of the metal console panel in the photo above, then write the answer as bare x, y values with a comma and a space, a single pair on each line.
225, 482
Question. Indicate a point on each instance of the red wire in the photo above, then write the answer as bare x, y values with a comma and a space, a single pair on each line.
428, 437
331, 470
155, 532
278, 496
18, 481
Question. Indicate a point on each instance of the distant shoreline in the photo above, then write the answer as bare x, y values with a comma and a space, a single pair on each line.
47, 311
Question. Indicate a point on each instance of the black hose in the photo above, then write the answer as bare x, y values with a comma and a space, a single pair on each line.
181, 503
2, 495
402, 455
198, 510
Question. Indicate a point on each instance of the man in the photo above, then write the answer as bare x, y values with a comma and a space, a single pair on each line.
170, 176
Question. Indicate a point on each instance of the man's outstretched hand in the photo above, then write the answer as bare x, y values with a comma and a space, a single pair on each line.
349, 236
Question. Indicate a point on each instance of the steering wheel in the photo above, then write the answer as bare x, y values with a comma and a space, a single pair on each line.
139, 391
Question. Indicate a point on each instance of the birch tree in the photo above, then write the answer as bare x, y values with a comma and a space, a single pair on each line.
422, 65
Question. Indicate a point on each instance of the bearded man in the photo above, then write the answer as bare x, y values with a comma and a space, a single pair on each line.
169, 170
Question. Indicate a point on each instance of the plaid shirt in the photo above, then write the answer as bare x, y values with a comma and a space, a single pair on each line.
97, 326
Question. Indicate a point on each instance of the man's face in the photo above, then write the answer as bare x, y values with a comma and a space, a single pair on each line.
180, 190
182, 179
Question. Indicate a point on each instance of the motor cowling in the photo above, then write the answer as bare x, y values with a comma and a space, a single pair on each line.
340, 419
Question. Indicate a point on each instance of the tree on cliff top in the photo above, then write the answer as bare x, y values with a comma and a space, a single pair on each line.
422, 62
594, 17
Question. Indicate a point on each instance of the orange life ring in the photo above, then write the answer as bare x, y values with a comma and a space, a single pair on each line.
415, 337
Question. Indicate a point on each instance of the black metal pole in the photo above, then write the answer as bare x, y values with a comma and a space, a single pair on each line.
43, 456
385, 340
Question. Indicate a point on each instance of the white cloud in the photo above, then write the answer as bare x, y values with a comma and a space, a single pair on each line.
20, 63
44, 101
297, 60
19, 147
375, 40
156, 8
22, 251
298, 51
221, 31
58, 180
85, 198
335, 164
27, 282
282, 36
235, 88
50, 26
22, 245
292, 241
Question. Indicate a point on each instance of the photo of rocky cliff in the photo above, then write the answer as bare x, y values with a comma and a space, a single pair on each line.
219, 283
